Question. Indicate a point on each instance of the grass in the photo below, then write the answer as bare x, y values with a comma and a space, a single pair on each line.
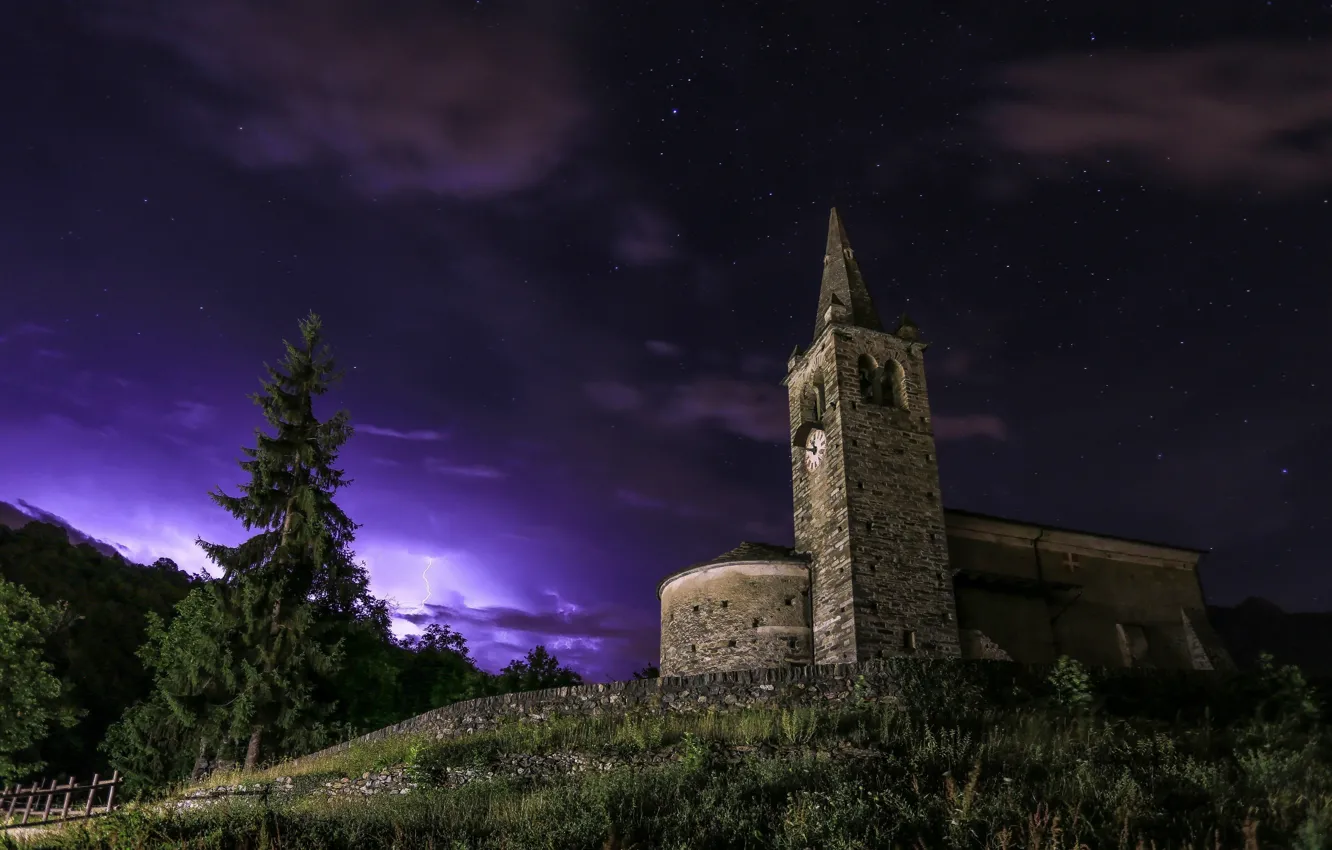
949, 774
610, 735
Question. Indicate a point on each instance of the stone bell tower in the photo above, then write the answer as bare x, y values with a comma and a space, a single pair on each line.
865, 478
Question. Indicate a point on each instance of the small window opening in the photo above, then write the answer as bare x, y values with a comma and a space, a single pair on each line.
909, 639
791, 642
695, 609
790, 600
726, 604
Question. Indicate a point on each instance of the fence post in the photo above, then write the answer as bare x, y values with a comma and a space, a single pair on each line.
92, 789
111, 792
64, 808
46, 809
13, 801
27, 804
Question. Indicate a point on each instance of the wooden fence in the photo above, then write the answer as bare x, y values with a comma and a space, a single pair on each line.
21, 806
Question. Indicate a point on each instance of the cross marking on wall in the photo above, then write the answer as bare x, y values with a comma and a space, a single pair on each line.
1070, 561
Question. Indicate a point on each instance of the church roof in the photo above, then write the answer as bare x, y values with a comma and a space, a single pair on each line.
961, 514
746, 551
843, 284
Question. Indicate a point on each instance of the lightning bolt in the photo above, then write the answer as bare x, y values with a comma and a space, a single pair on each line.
430, 562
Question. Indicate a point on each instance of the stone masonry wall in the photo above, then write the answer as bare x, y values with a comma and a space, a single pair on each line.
902, 579
871, 515
827, 685
744, 616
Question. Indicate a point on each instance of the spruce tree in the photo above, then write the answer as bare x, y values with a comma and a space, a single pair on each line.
281, 588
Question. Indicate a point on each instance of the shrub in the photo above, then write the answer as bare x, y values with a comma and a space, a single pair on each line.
1070, 686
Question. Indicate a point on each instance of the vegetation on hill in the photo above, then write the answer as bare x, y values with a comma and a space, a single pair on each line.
91, 650
30, 700
169, 674
969, 756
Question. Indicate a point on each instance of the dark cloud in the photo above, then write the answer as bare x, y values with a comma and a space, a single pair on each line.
419, 435
757, 410
663, 349
397, 103
646, 237
614, 395
1251, 114
947, 428
748, 408
955, 363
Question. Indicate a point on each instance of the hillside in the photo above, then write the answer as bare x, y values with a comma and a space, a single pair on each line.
964, 755
108, 599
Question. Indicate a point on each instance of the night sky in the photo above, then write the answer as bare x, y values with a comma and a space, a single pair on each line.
563, 251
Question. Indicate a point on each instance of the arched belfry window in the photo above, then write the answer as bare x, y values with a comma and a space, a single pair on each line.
885, 385
814, 400
871, 380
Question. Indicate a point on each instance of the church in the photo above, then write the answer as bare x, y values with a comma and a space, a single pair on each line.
880, 568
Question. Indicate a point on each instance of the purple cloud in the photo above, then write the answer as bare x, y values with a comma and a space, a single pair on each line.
635, 499
1250, 114
663, 349
25, 329
396, 104
193, 415
646, 238
419, 435
748, 408
440, 467
614, 395
949, 428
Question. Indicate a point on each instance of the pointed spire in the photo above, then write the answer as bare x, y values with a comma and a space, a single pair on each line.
843, 298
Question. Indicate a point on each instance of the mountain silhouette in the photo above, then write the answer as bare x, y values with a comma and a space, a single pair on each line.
18, 515
1256, 625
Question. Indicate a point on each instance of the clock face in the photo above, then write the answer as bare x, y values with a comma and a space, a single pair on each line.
815, 446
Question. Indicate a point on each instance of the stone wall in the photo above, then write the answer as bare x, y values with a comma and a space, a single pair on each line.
1040, 593
736, 616
870, 515
815, 685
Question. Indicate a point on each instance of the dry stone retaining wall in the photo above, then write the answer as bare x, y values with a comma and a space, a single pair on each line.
515, 766
826, 685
